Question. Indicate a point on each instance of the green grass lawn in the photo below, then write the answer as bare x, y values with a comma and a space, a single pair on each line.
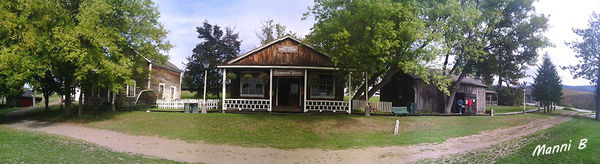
574, 130
294, 131
506, 109
374, 98
28, 147
53, 98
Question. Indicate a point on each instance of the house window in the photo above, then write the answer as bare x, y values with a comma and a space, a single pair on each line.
322, 87
131, 90
252, 87
173, 92
161, 89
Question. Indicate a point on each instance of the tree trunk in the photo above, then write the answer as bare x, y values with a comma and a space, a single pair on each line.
46, 97
80, 113
68, 98
453, 90
598, 95
499, 82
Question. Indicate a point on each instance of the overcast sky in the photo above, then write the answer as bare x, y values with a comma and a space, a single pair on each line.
181, 17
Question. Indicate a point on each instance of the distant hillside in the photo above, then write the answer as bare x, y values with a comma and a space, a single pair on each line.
583, 88
578, 99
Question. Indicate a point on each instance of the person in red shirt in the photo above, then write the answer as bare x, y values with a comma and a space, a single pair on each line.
469, 104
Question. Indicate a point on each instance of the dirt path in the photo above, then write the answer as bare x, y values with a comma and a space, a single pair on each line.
210, 153
26, 110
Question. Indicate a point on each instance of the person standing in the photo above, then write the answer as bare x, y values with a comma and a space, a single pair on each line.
469, 104
460, 106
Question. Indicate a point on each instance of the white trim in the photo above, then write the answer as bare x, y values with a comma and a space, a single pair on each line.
223, 108
271, 43
150, 74
162, 93
270, 90
134, 91
305, 86
283, 67
173, 88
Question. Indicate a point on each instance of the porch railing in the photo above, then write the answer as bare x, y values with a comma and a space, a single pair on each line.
179, 103
381, 106
327, 105
247, 104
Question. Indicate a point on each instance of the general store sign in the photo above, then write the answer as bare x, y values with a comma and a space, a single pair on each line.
288, 72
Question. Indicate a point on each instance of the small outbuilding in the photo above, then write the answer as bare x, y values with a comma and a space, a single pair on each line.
406, 88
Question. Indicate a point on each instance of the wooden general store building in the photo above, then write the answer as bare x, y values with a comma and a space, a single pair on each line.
283, 76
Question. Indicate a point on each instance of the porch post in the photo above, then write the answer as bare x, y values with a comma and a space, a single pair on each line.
367, 107
223, 93
270, 90
305, 86
349, 93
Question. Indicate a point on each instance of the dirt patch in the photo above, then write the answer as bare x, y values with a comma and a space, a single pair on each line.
210, 153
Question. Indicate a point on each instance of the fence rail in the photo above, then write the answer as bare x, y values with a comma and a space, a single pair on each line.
381, 106
327, 105
249, 104
179, 103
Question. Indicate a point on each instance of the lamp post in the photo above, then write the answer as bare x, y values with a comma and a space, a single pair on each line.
524, 100
205, 64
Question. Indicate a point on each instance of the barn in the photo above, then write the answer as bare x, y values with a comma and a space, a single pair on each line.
406, 88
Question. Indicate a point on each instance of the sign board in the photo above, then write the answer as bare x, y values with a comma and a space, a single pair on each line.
287, 49
288, 72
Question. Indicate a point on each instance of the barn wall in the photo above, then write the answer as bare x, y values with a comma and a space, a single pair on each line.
429, 98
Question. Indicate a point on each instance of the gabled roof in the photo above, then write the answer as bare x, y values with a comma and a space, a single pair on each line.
270, 44
168, 65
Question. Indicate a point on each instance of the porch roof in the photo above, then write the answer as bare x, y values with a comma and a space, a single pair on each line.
277, 67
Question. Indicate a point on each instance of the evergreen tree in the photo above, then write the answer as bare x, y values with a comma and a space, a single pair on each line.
547, 88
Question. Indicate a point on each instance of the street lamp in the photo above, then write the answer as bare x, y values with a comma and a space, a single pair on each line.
524, 100
205, 64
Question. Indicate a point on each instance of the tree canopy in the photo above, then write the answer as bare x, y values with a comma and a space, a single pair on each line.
381, 38
216, 47
269, 31
588, 52
79, 43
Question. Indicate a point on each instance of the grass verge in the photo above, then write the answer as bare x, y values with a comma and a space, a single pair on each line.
574, 130
506, 109
28, 147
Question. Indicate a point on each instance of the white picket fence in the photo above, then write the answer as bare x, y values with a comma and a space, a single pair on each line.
179, 103
381, 106
327, 105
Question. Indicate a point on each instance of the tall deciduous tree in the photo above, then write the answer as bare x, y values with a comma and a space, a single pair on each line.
547, 87
483, 36
381, 38
216, 47
269, 32
80, 43
588, 51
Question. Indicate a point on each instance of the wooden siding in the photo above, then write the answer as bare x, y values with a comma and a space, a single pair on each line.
269, 55
427, 97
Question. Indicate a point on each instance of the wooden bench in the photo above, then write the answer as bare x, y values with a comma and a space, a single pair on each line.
399, 110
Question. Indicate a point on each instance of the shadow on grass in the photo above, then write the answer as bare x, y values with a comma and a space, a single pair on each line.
55, 114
